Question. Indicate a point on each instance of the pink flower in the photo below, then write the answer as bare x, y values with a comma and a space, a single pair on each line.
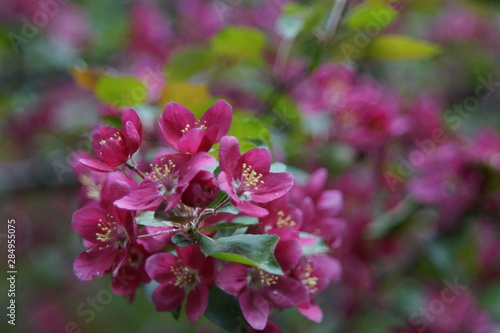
258, 292
169, 177
113, 147
191, 273
181, 129
246, 177
202, 190
315, 273
107, 232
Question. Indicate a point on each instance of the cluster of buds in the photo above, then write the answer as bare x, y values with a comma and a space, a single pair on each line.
187, 222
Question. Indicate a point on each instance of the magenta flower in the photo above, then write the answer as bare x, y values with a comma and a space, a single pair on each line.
113, 147
107, 233
246, 177
181, 129
258, 292
191, 273
202, 190
316, 273
169, 177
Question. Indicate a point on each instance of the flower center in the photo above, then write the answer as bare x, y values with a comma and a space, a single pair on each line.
284, 221
308, 280
197, 124
183, 275
110, 231
250, 178
163, 173
267, 279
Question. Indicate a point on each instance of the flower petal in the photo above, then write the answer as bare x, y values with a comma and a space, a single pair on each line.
85, 222
232, 278
96, 165
132, 130
287, 292
311, 311
95, 262
250, 208
168, 297
258, 158
174, 120
255, 308
229, 153
146, 197
219, 115
158, 267
274, 186
197, 302
197, 139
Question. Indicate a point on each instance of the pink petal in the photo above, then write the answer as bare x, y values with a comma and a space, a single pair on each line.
129, 115
158, 267
275, 185
330, 203
96, 165
197, 302
168, 297
250, 208
229, 153
255, 308
197, 162
85, 222
226, 185
287, 292
145, 198
132, 137
316, 183
233, 278
287, 253
219, 115
258, 158
196, 140
174, 120
311, 311
95, 262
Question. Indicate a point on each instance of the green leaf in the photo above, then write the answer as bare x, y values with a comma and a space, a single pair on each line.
148, 219
398, 47
254, 250
318, 247
386, 222
221, 197
224, 310
229, 208
188, 62
229, 228
180, 240
240, 43
120, 90
248, 129
367, 16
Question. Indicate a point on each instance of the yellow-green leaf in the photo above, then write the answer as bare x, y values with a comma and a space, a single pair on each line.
120, 90
399, 47
241, 43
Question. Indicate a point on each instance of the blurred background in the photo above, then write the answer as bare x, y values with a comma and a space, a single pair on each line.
398, 100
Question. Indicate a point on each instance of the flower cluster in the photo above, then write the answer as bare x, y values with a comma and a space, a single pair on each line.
189, 222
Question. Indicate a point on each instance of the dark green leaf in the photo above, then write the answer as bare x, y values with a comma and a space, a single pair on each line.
386, 222
180, 240
229, 228
224, 310
254, 250
221, 197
